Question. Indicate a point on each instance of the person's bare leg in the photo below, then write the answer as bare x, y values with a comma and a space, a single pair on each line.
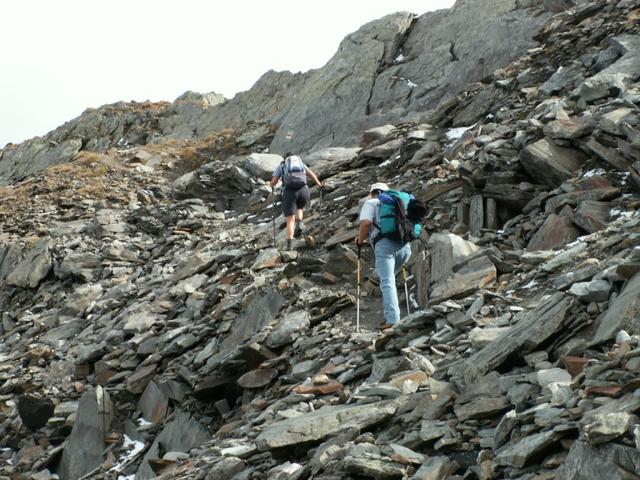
299, 213
290, 226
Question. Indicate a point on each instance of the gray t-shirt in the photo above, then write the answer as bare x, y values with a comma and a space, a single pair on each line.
371, 211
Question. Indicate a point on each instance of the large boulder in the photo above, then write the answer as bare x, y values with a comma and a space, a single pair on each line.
556, 231
396, 67
623, 313
262, 165
85, 447
548, 164
447, 250
34, 268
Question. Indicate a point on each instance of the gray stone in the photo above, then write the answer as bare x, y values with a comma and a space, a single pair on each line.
552, 375
286, 471
267, 258
434, 468
434, 429
79, 265
85, 447
180, 435
34, 268
363, 463
603, 428
555, 232
610, 461
153, 403
262, 165
564, 77
384, 150
530, 330
375, 134
364, 86
290, 327
37, 154
520, 454
331, 155
261, 311
592, 216
612, 121
447, 250
140, 321
254, 136
341, 261
581, 274
477, 273
623, 313
226, 469
569, 128
481, 337
564, 257
628, 403
613, 80
602, 85
481, 407
548, 164
593, 291
317, 425
504, 428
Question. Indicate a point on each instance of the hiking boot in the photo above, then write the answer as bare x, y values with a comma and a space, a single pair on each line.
299, 229
288, 244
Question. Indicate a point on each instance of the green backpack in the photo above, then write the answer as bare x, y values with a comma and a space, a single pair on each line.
400, 215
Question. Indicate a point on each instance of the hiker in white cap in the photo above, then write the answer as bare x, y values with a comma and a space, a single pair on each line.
390, 254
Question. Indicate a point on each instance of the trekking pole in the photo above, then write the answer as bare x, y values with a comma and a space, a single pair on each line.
358, 293
273, 199
406, 290
321, 191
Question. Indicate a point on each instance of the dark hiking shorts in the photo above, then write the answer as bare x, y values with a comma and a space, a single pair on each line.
292, 199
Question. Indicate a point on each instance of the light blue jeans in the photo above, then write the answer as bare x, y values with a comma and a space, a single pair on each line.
390, 257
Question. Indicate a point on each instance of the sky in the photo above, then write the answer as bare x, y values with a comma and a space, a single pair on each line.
59, 57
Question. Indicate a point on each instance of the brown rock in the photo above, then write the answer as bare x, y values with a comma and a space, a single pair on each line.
574, 365
257, 378
554, 232
592, 216
138, 381
331, 387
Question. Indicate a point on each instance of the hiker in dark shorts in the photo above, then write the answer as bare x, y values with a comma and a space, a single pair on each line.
295, 196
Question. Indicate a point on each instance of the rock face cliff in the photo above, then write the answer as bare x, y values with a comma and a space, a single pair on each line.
153, 327
390, 70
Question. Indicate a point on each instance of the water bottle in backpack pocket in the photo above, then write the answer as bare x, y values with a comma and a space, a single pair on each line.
294, 175
400, 214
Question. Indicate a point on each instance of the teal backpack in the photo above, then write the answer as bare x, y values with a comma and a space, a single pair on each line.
400, 215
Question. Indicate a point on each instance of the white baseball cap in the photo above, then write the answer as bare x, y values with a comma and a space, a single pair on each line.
379, 186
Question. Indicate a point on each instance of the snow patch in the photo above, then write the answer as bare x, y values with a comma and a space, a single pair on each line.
595, 172
616, 212
455, 133
136, 448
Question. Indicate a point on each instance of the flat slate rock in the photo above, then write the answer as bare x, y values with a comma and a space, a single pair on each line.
530, 330
623, 313
548, 164
316, 426
610, 461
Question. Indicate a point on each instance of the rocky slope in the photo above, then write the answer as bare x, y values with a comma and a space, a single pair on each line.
150, 329
390, 68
